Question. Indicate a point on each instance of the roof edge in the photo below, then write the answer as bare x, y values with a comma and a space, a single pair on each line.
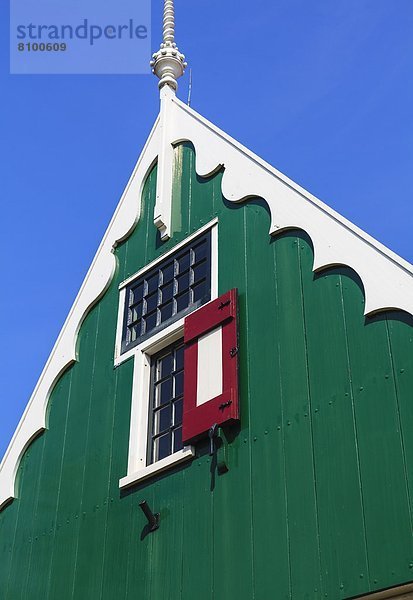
63, 354
387, 278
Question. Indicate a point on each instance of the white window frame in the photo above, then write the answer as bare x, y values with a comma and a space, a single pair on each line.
138, 469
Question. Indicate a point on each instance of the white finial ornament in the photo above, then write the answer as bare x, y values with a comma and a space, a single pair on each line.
168, 63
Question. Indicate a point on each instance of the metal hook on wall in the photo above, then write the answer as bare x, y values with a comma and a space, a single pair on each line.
153, 519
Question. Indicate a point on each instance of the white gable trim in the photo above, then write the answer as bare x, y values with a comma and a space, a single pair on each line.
162, 217
94, 286
387, 278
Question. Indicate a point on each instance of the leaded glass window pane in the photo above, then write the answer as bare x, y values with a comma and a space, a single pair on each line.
169, 291
166, 398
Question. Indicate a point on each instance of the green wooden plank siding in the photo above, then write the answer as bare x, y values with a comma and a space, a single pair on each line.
339, 494
380, 444
317, 502
269, 509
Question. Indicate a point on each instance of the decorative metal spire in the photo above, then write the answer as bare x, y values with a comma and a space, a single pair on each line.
168, 63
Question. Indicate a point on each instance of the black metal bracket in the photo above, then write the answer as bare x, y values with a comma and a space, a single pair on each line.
219, 453
222, 451
212, 434
153, 519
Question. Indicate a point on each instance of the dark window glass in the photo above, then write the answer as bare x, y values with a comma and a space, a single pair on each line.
162, 447
136, 312
152, 283
150, 322
167, 292
184, 261
172, 289
179, 384
151, 302
164, 392
183, 301
168, 272
167, 311
165, 412
183, 281
178, 411
200, 271
136, 293
198, 291
135, 331
177, 435
179, 358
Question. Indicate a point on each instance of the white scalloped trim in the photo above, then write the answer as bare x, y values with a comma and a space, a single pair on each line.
387, 278
94, 286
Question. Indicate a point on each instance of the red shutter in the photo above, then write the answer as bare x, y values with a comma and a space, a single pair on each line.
212, 324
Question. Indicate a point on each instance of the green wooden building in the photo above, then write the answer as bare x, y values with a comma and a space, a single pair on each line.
240, 358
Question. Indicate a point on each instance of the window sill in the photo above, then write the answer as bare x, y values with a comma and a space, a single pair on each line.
186, 453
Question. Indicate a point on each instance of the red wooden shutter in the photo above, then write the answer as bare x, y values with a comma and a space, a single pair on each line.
211, 367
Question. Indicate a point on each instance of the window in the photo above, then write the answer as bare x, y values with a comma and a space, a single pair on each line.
174, 287
166, 398
153, 305
155, 438
185, 382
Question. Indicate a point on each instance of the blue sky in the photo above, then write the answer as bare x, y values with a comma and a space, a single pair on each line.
322, 89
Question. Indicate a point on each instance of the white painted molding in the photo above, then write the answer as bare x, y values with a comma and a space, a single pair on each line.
163, 207
387, 278
155, 468
94, 286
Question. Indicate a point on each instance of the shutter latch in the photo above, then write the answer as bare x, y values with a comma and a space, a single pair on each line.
224, 304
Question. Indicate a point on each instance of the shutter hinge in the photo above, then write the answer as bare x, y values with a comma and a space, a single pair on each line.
225, 404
